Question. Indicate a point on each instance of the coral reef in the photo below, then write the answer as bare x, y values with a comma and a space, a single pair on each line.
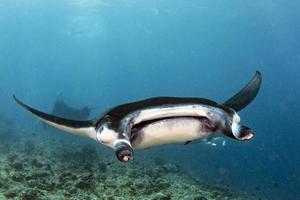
41, 168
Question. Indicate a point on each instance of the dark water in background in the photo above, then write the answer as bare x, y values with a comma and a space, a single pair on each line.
102, 53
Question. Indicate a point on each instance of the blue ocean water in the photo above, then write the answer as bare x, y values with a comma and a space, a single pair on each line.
102, 53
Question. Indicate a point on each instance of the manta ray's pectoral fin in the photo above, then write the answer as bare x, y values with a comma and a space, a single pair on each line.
82, 128
245, 96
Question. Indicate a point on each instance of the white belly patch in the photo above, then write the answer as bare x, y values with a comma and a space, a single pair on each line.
172, 130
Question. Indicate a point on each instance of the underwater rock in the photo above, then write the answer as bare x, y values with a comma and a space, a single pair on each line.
215, 194
31, 195
73, 190
10, 194
161, 196
160, 184
3, 184
17, 178
40, 175
48, 167
85, 183
36, 163
66, 176
110, 198
131, 173
199, 198
45, 185
17, 166
12, 158
126, 183
87, 166
153, 185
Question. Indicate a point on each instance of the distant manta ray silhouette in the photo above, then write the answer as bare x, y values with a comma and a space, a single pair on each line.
161, 120
61, 109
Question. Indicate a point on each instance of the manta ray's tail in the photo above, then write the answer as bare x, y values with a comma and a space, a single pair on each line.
245, 96
83, 128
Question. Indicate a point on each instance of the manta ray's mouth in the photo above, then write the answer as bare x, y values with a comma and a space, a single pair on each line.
124, 152
241, 132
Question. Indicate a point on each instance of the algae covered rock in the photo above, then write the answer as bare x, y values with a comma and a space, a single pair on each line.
31, 195
161, 196
86, 182
36, 163
10, 194
17, 166
200, 198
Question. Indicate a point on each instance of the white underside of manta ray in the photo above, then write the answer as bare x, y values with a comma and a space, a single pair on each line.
161, 120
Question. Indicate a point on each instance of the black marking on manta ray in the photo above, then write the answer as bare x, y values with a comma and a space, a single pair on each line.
55, 119
116, 114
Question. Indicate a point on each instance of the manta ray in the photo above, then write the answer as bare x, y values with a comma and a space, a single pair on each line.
160, 120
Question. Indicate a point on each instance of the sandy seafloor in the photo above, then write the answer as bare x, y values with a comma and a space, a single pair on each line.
44, 166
